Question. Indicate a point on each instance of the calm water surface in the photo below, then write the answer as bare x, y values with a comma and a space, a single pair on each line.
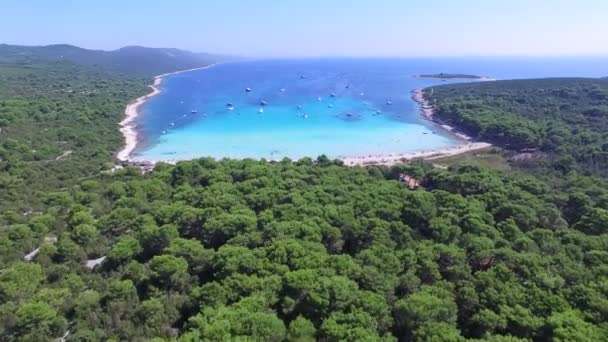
336, 107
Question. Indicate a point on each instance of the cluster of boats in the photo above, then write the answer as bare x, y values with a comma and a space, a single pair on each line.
230, 106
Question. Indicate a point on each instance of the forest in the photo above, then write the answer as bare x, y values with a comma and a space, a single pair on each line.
254, 250
563, 120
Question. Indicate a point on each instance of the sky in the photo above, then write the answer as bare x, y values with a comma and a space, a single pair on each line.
292, 28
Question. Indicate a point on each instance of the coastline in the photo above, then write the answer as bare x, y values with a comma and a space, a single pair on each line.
428, 112
127, 127
471, 78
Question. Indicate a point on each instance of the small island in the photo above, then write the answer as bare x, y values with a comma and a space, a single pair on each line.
449, 76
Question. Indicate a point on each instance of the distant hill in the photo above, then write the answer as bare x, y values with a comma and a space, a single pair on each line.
133, 60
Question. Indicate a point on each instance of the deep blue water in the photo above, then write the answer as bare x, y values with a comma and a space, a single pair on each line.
337, 107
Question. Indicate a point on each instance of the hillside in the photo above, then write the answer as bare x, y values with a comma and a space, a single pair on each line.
133, 60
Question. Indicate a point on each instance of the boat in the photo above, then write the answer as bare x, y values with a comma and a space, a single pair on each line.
378, 112
172, 124
349, 114
263, 102
282, 90
247, 89
347, 86
388, 102
194, 111
305, 116
319, 98
229, 104
302, 77
330, 106
299, 107
261, 110
332, 95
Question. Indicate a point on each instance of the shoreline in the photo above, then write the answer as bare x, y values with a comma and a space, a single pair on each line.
127, 127
428, 112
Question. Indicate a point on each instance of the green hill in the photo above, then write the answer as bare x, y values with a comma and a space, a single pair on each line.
134, 60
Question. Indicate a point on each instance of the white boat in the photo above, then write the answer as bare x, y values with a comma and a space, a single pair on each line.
261, 110
388, 102
263, 102
194, 111
332, 95
247, 89
305, 116
330, 106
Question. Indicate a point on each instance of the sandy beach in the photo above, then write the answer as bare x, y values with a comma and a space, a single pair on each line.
391, 159
427, 111
127, 127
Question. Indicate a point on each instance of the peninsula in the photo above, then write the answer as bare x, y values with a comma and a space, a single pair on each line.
448, 76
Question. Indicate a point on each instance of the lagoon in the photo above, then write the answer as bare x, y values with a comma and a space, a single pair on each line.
304, 108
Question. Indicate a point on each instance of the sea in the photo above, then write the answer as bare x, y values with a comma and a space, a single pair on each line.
296, 108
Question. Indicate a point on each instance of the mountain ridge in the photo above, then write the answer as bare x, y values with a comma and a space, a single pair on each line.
131, 60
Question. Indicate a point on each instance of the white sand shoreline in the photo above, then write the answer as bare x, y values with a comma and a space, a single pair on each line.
426, 110
127, 127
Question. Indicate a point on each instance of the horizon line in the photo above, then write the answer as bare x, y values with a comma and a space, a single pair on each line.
278, 56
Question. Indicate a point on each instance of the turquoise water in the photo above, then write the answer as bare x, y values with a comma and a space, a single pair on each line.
336, 107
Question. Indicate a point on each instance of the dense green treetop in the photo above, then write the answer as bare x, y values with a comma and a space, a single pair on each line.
292, 251
565, 119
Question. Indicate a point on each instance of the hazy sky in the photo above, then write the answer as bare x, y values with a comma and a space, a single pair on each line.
316, 27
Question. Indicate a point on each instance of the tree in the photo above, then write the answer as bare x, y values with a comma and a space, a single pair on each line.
301, 330
595, 222
84, 234
430, 304
125, 249
249, 318
569, 326
354, 326
20, 281
169, 270
38, 321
